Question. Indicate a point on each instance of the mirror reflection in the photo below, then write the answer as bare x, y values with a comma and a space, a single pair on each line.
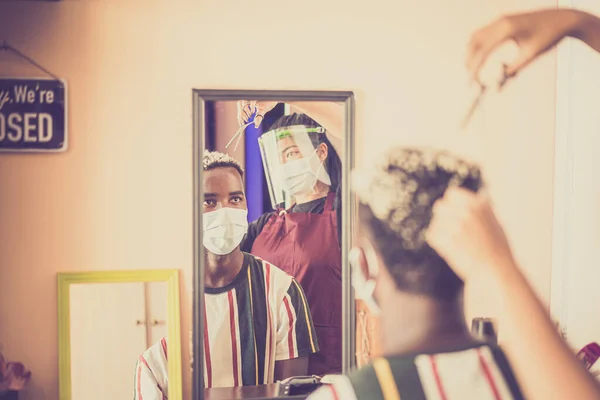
271, 178
116, 324
112, 321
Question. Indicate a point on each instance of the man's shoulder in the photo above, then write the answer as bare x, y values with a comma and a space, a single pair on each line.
152, 365
474, 369
364, 381
152, 371
155, 354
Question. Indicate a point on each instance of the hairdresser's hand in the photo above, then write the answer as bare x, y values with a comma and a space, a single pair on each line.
247, 107
465, 232
534, 33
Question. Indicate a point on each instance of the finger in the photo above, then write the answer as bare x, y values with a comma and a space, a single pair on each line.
260, 108
258, 119
484, 196
252, 107
453, 207
484, 41
447, 219
240, 116
243, 115
511, 70
439, 203
243, 104
458, 196
260, 114
439, 238
433, 233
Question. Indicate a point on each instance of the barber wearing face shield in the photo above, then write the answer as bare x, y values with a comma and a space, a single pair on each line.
302, 165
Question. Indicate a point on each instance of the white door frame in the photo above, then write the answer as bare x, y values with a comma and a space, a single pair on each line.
576, 189
563, 181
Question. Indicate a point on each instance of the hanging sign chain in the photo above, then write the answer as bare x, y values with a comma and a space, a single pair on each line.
4, 46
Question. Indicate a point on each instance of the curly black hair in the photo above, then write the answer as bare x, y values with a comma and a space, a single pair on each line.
397, 198
216, 159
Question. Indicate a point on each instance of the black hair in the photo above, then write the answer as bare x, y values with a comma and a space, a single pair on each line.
396, 206
332, 164
215, 159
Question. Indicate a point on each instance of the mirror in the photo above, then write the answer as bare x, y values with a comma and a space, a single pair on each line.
272, 294
118, 324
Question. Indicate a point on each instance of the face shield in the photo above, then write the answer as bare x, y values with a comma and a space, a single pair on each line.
291, 162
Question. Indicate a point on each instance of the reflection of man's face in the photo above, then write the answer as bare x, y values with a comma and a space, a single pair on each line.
288, 150
223, 187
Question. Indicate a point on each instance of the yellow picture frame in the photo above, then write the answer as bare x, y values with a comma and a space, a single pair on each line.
170, 276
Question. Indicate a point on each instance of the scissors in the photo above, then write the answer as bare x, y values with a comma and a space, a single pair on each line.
480, 96
474, 106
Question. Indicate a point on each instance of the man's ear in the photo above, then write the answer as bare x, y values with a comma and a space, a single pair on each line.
362, 263
358, 259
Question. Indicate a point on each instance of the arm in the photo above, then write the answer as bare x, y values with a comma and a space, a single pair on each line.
534, 33
588, 30
254, 229
296, 336
543, 363
146, 385
466, 233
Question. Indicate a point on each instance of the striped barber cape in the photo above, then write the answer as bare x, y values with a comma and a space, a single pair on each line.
478, 373
261, 317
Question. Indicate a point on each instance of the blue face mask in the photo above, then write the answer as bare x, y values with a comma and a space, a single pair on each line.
364, 288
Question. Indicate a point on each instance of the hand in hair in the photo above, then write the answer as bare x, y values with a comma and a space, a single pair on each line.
248, 107
534, 32
465, 232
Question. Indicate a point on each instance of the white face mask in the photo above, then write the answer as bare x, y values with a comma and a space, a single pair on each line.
364, 288
298, 176
224, 229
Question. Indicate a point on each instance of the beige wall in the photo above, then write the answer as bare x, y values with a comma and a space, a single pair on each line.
121, 197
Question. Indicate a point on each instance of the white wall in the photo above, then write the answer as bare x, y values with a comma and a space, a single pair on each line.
121, 197
575, 272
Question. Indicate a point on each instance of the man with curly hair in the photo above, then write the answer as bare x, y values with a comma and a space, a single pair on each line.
428, 351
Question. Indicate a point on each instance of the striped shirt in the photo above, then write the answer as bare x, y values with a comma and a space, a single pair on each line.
259, 318
478, 373
151, 373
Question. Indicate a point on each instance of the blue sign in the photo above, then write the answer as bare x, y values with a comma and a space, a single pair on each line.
33, 115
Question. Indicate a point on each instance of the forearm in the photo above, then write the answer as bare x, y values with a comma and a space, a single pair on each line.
544, 365
587, 29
